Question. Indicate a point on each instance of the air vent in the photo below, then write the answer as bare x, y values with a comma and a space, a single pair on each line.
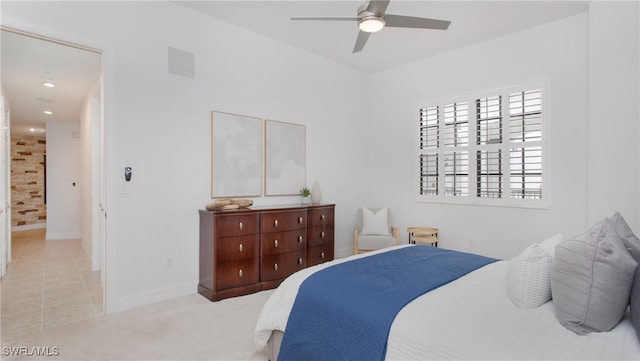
182, 63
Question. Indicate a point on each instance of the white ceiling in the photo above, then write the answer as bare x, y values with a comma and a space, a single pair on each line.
471, 22
27, 62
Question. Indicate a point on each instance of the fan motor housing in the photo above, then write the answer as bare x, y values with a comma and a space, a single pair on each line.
363, 12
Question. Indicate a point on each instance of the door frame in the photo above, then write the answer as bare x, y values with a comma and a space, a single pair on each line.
5, 187
99, 173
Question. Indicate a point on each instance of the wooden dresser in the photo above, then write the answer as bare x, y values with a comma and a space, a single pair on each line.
248, 250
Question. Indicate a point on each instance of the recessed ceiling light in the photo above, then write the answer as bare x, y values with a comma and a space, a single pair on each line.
49, 84
32, 129
48, 112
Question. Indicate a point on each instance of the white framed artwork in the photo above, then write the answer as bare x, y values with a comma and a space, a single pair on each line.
285, 158
236, 155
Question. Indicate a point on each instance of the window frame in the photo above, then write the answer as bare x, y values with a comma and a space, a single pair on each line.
473, 147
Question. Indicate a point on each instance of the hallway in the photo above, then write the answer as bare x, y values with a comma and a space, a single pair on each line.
48, 284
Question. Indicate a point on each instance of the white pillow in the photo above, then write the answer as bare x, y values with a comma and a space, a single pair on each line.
530, 277
375, 223
550, 244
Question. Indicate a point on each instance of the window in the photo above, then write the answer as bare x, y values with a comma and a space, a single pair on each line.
485, 149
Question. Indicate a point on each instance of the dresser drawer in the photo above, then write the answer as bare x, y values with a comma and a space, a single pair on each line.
283, 242
319, 254
237, 274
237, 248
321, 217
283, 221
228, 225
319, 235
280, 266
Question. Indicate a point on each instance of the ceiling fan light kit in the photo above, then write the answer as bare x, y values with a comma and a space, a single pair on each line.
372, 18
371, 24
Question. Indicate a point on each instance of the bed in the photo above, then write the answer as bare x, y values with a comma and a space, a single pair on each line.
469, 318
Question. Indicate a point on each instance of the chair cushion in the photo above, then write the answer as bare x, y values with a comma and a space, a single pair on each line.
591, 279
370, 242
375, 222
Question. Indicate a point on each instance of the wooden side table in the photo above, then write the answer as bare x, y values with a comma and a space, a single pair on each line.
423, 235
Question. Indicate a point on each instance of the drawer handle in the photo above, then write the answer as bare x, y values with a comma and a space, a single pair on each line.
240, 273
275, 223
275, 267
299, 220
240, 247
299, 239
240, 226
322, 217
275, 243
322, 255
299, 261
322, 234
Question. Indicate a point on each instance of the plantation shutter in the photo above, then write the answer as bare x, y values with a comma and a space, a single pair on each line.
525, 136
429, 140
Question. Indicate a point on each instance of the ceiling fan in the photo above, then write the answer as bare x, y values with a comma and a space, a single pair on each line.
371, 18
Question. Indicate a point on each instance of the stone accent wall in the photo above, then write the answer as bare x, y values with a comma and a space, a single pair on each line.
27, 180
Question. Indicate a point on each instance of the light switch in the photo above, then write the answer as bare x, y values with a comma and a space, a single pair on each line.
125, 191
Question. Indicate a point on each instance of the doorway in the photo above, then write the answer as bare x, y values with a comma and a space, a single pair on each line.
53, 93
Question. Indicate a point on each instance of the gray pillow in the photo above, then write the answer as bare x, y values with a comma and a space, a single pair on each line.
631, 242
635, 302
591, 279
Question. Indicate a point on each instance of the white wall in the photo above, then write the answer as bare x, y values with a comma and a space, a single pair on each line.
591, 128
63, 170
555, 53
613, 111
159, 124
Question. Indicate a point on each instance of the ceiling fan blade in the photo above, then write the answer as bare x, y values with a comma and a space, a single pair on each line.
378, 6
401, 21
330, 18
362, 39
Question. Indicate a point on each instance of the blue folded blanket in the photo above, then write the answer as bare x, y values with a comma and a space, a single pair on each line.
345, 312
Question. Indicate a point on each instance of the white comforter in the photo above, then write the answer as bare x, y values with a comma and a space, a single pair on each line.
471, 318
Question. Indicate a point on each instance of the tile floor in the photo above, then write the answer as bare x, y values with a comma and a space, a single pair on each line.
48, 284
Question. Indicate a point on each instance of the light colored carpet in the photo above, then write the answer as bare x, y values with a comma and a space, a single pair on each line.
185, 328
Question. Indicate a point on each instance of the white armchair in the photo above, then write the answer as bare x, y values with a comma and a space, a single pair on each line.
374, 231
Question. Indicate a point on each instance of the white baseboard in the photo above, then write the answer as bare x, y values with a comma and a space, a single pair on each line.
27, 227
55, 236
151, 297
342, 253
166, 293
94, 265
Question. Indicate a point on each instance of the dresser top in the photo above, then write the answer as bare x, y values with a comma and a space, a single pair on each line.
271, 207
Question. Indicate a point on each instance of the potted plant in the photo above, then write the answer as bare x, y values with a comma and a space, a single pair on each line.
305, 193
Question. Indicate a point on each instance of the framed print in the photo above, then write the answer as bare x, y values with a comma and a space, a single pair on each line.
285, 158
236, 155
